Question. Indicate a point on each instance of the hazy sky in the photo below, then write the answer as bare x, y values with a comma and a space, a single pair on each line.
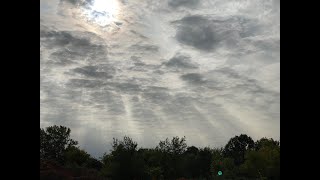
151, 69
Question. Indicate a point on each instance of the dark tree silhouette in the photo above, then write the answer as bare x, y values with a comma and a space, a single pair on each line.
171, 156
54, 141
124, 161
241, 158
176, 146
205, 160
263, 162
237, 146
76, 157
265, 142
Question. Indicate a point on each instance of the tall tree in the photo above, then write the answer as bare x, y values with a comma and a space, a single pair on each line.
124, 161
237, 147
171, 160
54, 140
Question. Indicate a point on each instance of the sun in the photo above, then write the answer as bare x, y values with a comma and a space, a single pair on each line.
102, 12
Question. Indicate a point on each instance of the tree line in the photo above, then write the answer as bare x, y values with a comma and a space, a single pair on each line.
171, 159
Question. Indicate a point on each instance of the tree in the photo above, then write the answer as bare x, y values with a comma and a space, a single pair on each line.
191, 163
237, 147
263, 161
76, 157
171, 160
241, 158
265, 142
192, 150
124, 161
93, 163
43, 144
204, 161
54, 141
176, 146
152, 162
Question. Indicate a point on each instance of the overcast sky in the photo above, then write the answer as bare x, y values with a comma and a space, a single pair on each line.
150, 69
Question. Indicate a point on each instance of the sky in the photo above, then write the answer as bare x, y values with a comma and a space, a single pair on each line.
204, 69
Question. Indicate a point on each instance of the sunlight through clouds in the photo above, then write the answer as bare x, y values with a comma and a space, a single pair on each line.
102, 12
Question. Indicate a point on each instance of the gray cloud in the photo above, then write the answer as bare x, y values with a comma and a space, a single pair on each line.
157, 95
85, 83
196, 31
139, 65
144, 47
78, 2
76, 38
62, 58
181, 61
205, 32
93, 71
186, 3
194, 78
110, 100
253, 94
118, 23
73, 46
127, 87
249, 27
138, 34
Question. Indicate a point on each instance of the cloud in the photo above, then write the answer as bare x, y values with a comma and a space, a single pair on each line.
138, 34
85, 83
138, 65
62, 58
110, 101
157, 95
194, 78
78, 42
243, 90
207, 33
181, 61
127, 87
78, 2
93, 71
144, 47
185, 3
69, 48
196, 31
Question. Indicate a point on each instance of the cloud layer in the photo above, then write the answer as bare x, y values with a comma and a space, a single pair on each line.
208, 70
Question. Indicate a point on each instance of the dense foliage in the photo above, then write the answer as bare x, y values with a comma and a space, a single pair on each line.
241, 158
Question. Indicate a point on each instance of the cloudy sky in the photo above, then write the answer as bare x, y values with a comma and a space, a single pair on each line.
150, 69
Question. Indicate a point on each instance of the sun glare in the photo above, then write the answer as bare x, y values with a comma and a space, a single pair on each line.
102, 12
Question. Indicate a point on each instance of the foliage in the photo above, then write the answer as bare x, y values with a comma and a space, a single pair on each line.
123, 162
237, 147
241, 158
263, 162
54, 141
76, 156
176, 146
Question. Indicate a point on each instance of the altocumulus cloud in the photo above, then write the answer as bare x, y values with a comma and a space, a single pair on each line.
186, 3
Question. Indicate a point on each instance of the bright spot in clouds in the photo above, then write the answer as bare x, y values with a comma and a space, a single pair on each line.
102, 12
